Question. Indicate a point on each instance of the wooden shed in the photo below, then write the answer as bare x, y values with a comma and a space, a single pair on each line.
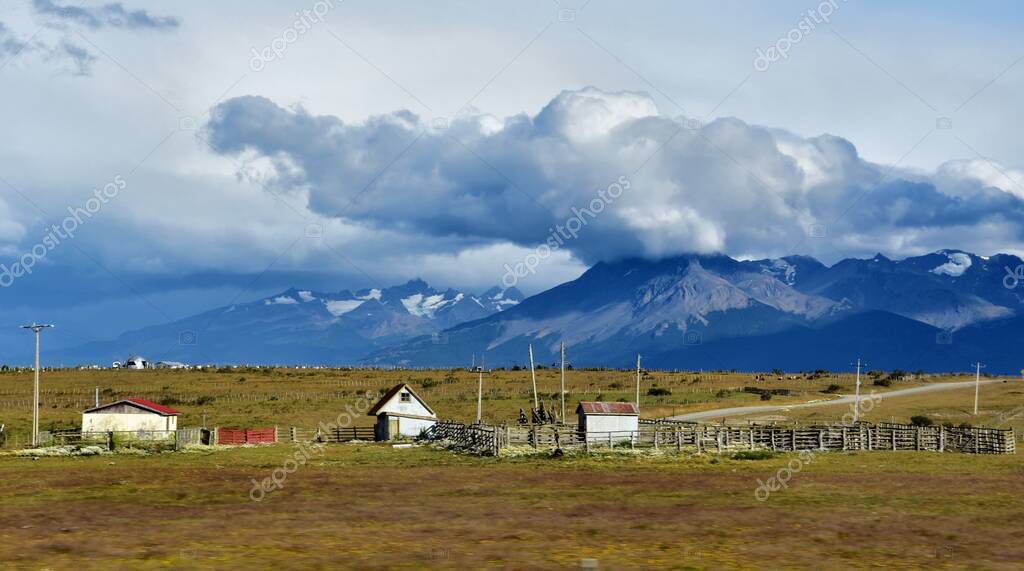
401, 412
130, 415
604, 420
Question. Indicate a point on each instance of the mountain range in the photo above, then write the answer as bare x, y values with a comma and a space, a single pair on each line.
940, 312
936, 312
302, 326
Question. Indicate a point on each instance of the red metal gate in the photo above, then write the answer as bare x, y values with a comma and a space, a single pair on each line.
239, 436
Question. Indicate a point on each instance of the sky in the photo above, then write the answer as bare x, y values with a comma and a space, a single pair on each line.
194, 155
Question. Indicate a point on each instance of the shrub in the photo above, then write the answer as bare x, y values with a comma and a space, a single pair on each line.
615, 386
833, 388
883, 383
921, 420
766, 396
658, 392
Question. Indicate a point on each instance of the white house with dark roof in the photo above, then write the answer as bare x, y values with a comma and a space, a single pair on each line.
599, 420
401, 412
130, 415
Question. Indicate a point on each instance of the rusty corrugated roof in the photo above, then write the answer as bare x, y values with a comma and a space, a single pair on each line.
607, 408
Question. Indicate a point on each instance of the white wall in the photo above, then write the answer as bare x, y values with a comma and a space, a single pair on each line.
413, 407
611, 423
103, 422
409, 427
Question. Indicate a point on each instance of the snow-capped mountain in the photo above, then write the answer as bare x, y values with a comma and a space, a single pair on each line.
714, 311
305, 326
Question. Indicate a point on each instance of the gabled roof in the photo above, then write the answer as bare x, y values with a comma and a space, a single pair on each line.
622, 408
391, 394
140, 403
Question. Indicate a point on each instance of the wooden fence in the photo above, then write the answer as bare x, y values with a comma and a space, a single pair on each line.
483, 439
472, 438
348, 434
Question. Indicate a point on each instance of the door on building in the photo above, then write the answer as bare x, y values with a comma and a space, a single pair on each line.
393, 432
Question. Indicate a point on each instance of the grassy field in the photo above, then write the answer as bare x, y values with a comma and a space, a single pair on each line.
371, 506
304, 397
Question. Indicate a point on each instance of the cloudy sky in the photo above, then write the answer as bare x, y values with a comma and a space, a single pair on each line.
192, 155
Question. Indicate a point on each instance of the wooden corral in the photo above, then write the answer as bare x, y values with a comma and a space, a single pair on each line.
483, 439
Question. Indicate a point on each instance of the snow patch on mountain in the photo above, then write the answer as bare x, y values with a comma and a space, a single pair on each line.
426, 306
281, 300
373, 294
782, 270
306, 296
339, 307
958, 263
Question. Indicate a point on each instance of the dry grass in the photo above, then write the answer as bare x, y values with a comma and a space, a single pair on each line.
368, 506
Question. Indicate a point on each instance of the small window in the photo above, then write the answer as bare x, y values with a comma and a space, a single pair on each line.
406, 397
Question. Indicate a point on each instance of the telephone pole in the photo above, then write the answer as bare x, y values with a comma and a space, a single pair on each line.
856, 405
480, 390
533, 374
36, 328
638, 382
562, 347
977, 385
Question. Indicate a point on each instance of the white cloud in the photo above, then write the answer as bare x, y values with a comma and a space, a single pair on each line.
728, 186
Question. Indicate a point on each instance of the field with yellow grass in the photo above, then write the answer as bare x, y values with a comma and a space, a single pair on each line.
374, 506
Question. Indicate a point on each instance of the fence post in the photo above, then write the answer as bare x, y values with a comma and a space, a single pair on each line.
679, 440
894, 439
655, 437
844, 438
942, 439
821, 439
275, 435
110, 440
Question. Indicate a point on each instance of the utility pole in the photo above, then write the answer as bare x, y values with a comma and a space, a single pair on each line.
480, 391
562, 347
638, 382
977, 385
36, 328
856, 404
533, 374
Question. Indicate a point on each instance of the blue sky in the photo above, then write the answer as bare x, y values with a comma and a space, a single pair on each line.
335, 145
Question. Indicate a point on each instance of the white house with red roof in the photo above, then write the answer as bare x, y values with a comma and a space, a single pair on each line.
130, 415
603, 420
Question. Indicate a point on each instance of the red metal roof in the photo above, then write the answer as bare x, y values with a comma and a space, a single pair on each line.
607, 408
146, 404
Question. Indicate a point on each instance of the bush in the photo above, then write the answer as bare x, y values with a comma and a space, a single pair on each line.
658, 392
883, 383
833, 388
766, 396
921, 420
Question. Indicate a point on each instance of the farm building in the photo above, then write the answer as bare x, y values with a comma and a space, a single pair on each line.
135, 362
401, 412
130, 415
598, 419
